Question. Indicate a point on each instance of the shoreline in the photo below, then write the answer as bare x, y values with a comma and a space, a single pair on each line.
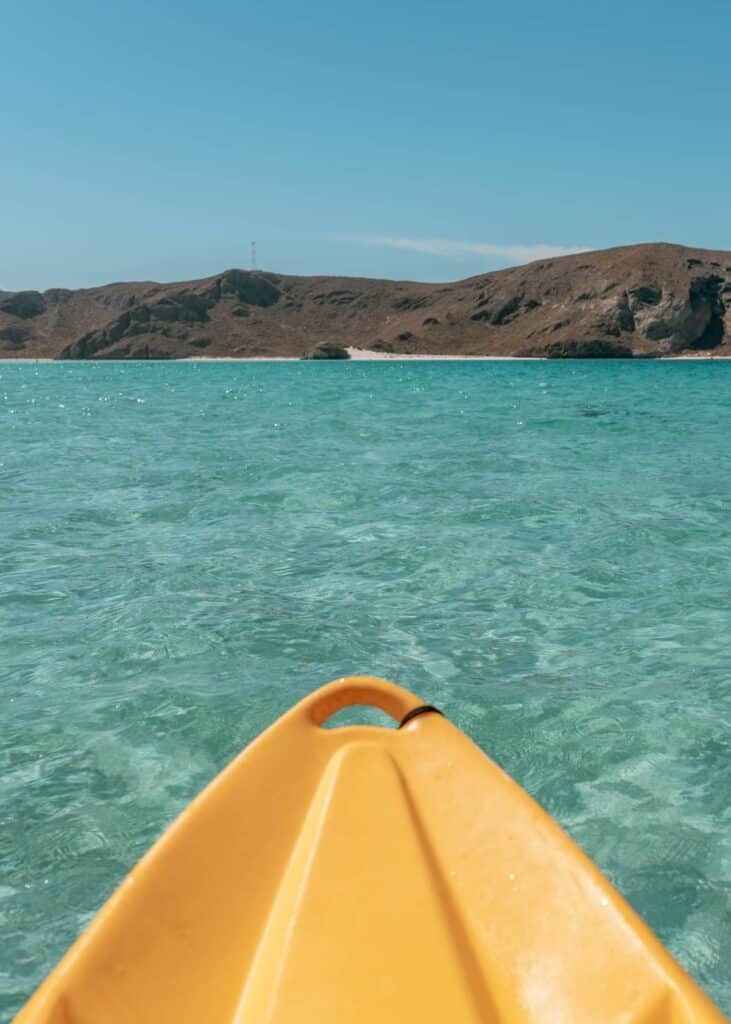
367, 355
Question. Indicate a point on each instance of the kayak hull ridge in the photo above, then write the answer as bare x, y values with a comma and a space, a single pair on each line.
363, 874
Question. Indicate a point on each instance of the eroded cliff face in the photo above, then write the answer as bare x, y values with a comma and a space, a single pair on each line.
642, 300
645, 300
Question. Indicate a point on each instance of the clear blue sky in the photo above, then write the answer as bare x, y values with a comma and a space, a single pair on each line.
408, 139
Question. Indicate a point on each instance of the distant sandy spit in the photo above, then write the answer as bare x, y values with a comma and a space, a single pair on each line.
358, 354
369, 354
696, 355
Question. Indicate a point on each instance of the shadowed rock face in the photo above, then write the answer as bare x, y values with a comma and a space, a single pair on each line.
643, 300
24, 305
13, 339
249, 289
327, 352
691, 321
597, 348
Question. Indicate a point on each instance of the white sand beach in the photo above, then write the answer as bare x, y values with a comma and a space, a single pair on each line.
370, 355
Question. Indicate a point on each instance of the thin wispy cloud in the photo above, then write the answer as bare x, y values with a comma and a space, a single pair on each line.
454, 249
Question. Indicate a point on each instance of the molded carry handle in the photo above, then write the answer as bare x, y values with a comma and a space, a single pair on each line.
342, 693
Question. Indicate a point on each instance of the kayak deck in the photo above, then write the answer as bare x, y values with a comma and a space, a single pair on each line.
365, 874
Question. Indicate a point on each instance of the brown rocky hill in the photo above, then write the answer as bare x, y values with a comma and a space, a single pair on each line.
640, 300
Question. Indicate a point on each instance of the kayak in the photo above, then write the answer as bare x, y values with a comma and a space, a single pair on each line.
366, 875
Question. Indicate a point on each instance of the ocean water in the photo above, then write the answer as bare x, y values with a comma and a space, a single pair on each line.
542, 549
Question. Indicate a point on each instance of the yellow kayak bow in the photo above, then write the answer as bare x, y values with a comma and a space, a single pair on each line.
366, 875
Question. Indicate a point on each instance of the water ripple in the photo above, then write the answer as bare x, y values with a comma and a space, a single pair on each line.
541, 549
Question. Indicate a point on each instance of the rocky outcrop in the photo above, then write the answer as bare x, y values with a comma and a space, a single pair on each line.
641, 301
691, 320
598, 348
327, 351
57, 296
168, 323
24, 305
115, 340
250, 289
13, 339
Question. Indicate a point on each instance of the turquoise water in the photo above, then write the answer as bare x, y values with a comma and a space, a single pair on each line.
542, 549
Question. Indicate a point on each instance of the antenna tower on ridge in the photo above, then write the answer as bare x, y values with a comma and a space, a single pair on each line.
253, 255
